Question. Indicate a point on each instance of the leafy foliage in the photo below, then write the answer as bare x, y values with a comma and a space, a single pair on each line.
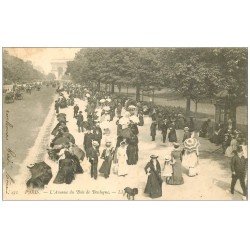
16, 70
195, 73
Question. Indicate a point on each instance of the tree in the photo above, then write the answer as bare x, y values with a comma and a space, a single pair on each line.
16, 70
115, 66
191, 73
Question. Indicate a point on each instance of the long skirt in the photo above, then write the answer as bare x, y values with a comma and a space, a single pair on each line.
105, 167
122, 168
154, 186
132, 153
64, 175
176, 178
190, 161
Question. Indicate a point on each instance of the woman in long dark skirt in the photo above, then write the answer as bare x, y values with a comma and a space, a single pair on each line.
172, 137
66, 172
107, 155
154, 183
132, 150
176, 178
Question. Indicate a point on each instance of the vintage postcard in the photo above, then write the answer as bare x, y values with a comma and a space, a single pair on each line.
125, 123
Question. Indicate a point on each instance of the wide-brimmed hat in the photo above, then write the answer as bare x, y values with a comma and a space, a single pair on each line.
132, 107
108, 100
168, 158
191, 144
95, 143
106, 108
186, 129
102, 100
153, 156
176, 144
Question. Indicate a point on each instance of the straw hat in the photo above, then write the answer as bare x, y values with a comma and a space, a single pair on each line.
153, 156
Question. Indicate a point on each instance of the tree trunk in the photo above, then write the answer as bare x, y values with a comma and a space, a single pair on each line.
153, 96
127, 90
196, 106
112, 88
188, 106
138, 90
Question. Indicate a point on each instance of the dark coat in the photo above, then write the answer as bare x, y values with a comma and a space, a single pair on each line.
132, 150
164, 128
79, 120
154, 183
153, 129
66, 172
76, 109
97, 134
186, 136
93, 155
172, 135
106, 165
238, 165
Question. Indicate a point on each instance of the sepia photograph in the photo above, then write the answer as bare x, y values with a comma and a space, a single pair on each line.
125, 123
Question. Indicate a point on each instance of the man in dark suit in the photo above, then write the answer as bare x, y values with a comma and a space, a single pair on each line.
164, 130
187, 134
80, 122
238, 167
153, 129
57, 106
97, 133
76, 109
87, 143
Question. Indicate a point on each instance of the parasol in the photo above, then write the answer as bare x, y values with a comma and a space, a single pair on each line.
40, 175
191, 144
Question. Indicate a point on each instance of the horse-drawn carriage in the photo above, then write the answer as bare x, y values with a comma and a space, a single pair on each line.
9, 97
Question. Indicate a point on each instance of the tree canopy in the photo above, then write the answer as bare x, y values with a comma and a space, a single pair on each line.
16, 70
195, 73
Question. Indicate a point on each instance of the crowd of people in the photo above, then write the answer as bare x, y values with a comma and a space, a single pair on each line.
94, 119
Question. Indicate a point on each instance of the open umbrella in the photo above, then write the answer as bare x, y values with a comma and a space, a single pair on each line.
40, 175
61, 141
191, 144
78, 152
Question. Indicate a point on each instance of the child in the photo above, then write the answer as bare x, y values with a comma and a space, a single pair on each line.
167, 168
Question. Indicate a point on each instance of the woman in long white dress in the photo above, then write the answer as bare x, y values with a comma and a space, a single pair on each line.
167, 169
122, 167
190, 156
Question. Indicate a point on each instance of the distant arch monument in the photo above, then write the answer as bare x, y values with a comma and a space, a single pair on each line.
59, 67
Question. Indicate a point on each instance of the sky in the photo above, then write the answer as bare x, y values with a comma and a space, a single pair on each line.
42, 57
